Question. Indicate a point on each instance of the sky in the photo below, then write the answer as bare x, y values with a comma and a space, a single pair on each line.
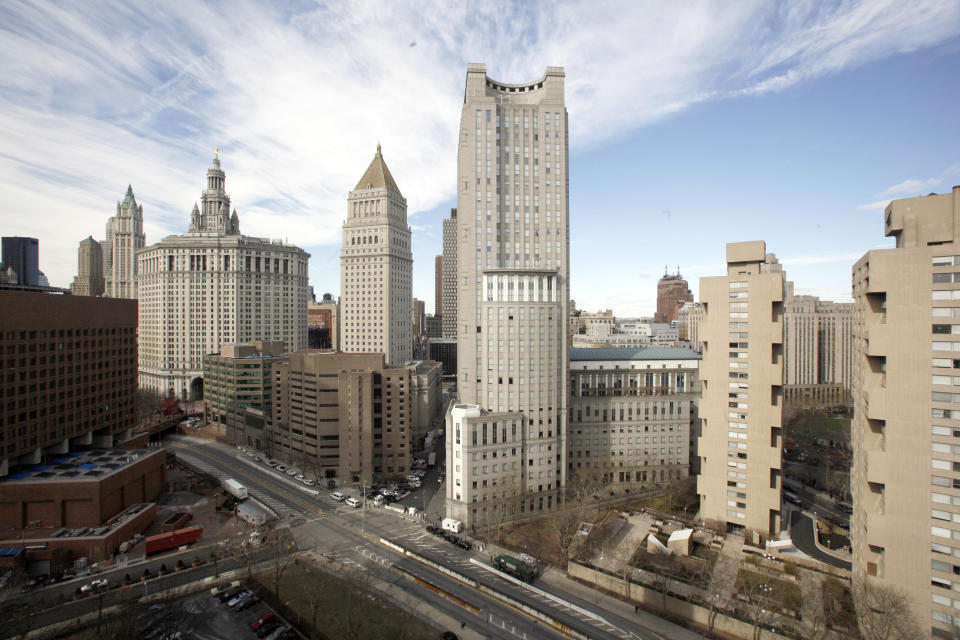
691, 124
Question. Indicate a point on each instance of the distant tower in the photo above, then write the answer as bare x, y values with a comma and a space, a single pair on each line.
124, 238
672, 292
376, 269
449, 293
22, 255
89, 280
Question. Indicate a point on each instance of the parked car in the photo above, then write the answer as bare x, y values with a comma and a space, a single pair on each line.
262, 620
418, 473
232, 602
229, 593
271, 463
281, 467
336, 496
433, 530
292, 472
299, 477
353, 502
308, 482
247, 602
268, 628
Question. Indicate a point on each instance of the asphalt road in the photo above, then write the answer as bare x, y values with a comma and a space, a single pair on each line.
349, 536
802, 533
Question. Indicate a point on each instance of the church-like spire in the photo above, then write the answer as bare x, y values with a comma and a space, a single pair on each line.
235, 223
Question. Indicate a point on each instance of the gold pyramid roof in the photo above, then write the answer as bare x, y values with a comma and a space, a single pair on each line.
377, 175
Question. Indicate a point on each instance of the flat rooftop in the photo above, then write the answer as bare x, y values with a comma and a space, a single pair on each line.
95, 464
634, 353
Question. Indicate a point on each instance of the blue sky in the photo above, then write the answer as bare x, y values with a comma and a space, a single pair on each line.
691, 126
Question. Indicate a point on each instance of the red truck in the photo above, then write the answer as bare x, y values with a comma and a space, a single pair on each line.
172, 539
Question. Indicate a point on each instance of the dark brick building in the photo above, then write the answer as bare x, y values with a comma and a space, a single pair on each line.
69, 370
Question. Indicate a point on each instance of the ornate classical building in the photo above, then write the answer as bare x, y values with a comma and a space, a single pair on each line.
506, 437
89, 280
124, 238
212, 286
376, 269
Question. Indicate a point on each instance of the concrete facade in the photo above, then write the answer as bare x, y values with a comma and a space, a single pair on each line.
376, 269
69, 374
632, 412
742, 405
238, 377
89, 279
506, 453
818, 342
689, 319
905, 479
448, 300
213, 286
348, 416
124, 239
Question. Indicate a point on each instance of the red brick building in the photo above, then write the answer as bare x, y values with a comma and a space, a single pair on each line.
672, 292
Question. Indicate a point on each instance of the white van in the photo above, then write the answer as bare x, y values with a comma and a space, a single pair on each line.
353, 502
337, 496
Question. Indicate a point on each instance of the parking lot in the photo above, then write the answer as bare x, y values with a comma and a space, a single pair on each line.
202, 615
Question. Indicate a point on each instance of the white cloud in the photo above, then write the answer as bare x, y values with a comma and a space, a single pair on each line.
96, 96
911, 187
879, 205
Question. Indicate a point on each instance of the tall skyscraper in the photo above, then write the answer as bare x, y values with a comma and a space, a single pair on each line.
672, 292
124, 238
506, 438
448, 296
905, 479
212, 286
742, 402
818, 349
23, 256
376, 269
89, 280
437, 285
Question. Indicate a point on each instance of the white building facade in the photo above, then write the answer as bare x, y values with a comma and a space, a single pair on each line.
376, 269
213, 286
506, 442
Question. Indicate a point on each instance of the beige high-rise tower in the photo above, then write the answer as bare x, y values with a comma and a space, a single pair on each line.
905, 479
506, 439
89, 280
742, 384
376, 269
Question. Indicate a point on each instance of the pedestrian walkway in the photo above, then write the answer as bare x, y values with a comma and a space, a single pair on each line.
726, 568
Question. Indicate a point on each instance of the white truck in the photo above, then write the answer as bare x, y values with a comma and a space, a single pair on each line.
454, 526
235, 489
432, 459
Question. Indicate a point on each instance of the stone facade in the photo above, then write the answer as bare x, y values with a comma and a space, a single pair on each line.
376, 269
506, 437
89, 279
124, 239
239, 377
449, 285
672, 292
213, 286
632, 413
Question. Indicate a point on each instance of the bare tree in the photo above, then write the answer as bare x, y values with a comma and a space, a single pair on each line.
884, 611
666, 566
281, 562
564, 526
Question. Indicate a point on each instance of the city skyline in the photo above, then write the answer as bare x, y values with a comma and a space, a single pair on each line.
799, 125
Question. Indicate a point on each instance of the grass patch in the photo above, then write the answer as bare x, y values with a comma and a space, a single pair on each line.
834, 540
325, 606
680, 500
778, 593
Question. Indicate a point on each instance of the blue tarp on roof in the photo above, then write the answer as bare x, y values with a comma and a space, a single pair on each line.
17, 476
61, 461
77, 454
87, 466
10, 552
41, 467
